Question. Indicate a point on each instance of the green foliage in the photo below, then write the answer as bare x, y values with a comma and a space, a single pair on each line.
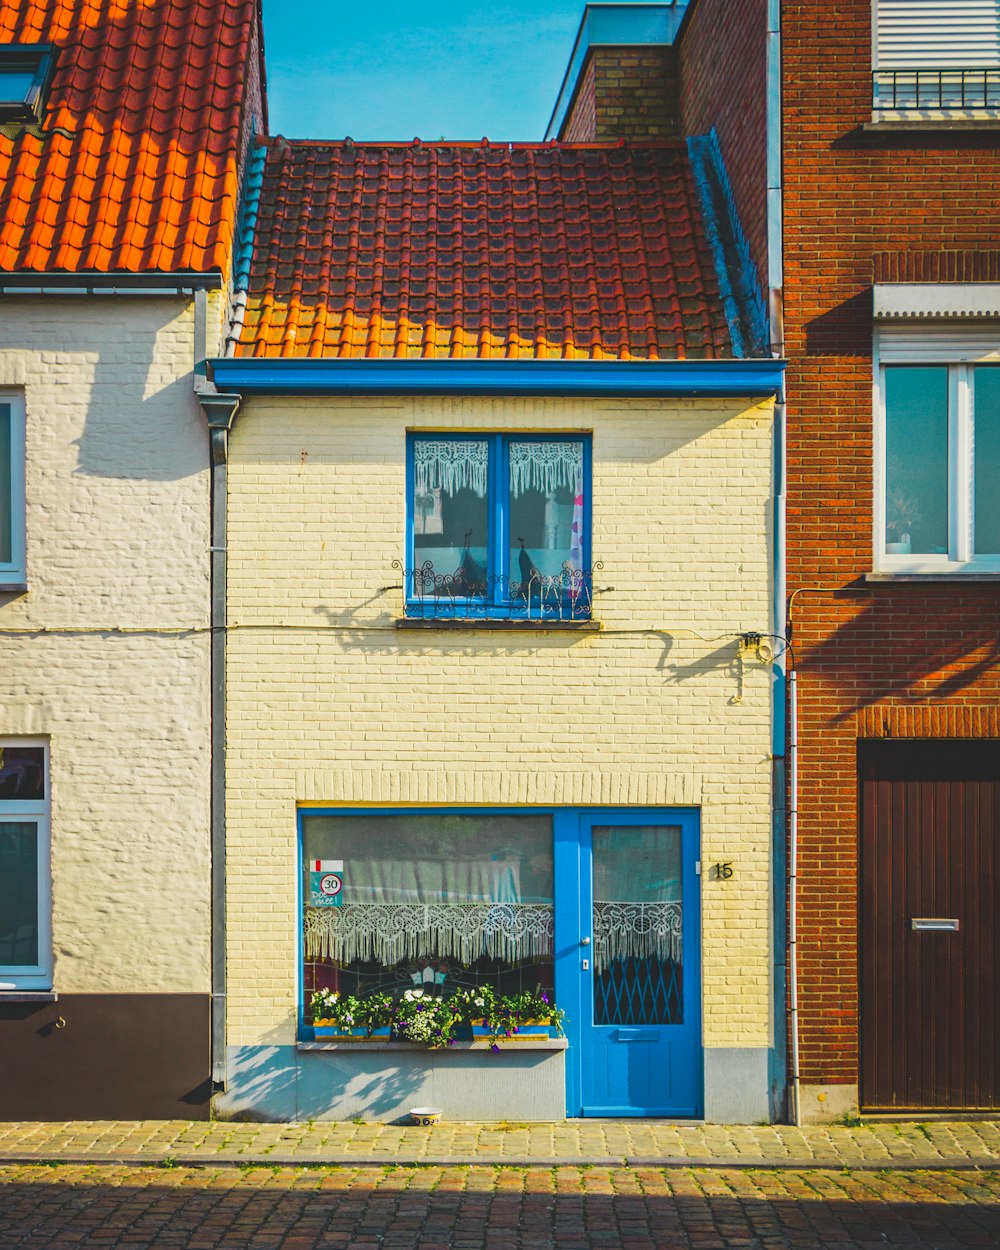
421, 1017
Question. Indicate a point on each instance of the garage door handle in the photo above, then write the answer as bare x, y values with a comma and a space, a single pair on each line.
934, 922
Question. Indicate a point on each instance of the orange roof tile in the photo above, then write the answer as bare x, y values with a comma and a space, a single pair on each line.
481, 250
136, 166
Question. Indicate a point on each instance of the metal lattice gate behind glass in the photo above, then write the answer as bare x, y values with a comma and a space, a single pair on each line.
639, 991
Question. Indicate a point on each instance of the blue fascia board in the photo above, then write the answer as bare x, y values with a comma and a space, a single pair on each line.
754, 378
614, 25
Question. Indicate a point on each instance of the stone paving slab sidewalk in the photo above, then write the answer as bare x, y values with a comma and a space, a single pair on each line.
609, 1143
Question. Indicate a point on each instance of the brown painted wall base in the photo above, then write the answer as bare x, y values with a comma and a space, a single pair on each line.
119, 1057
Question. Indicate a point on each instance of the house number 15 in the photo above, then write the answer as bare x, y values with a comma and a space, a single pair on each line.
724, 871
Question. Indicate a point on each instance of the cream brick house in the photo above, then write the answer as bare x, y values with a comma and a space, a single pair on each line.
500, 586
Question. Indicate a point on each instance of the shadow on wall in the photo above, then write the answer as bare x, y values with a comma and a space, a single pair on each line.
538, 1207
889, 652
278, 1084
142, 422
844, 330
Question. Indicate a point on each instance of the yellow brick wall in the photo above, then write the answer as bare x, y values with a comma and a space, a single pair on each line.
329, 703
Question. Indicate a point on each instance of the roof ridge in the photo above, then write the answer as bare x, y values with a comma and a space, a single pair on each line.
499, 145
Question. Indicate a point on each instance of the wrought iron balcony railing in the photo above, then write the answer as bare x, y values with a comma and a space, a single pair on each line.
432, 595
936, 90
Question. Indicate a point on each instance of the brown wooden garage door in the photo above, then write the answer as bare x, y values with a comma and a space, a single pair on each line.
930, 936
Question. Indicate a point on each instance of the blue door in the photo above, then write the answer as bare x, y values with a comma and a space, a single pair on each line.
627, 961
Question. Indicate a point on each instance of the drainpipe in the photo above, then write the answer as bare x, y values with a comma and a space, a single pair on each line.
775, 288
793, 876
220, 411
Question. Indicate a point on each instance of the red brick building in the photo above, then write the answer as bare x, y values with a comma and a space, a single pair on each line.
860, 151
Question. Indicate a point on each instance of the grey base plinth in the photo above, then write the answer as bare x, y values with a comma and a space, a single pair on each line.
381, 1083
822, 1104
736, 1085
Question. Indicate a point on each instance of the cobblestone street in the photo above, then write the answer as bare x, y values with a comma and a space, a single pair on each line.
942, 1144
479, 1208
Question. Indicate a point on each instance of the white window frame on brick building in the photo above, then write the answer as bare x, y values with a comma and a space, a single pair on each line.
33, 812
13, 573
961, 350
935, 60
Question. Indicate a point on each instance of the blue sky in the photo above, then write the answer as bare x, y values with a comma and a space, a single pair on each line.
391, 70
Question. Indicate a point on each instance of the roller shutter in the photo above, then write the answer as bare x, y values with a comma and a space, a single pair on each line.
937, 33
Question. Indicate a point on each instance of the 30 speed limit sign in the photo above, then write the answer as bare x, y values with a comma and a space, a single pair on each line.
331, 884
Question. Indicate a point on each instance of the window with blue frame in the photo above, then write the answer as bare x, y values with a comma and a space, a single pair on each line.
498, 526
442, 900
25, 73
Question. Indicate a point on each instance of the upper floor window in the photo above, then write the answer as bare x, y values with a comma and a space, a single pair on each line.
938, 444
937, 57
25, 71
12, 565
25, 944
498, 526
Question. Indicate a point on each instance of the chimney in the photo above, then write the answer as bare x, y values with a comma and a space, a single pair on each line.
622, 80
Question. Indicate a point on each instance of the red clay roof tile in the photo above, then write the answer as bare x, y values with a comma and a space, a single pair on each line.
153, 94
499, 250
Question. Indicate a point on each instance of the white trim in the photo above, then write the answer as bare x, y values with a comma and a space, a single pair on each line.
960, 352
936, 299
14, 570
960, 507
37, 812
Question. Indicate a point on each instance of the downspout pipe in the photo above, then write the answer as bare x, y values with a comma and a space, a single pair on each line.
793, 878
220, 411
220, 416
784, 969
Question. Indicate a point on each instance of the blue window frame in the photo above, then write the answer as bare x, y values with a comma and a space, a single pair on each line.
498, 526
25, 74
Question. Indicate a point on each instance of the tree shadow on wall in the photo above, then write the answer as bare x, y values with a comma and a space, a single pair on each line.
931, 647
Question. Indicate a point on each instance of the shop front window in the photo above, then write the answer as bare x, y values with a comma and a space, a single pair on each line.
431, 900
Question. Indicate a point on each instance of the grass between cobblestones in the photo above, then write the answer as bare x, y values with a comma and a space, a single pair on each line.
264, 1206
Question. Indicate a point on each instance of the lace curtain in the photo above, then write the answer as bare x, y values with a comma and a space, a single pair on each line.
463, 464
546, 467
450, 465
636, 930
390, 932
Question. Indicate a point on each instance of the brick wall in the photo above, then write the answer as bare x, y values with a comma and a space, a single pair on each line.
920, 659
722, 62
625, 93
342, 708
117, 520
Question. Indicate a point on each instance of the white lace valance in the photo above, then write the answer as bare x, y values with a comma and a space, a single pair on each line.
546, 467
389, 933
450, 465
636, 930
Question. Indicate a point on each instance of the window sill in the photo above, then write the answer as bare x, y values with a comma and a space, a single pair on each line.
543, 1043
474, 623
484, 623
28, 996
13, 588
957, 576
898, 121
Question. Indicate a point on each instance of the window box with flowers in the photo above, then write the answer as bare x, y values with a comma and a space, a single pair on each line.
350, 1018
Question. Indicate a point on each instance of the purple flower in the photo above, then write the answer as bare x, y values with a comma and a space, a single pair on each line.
495, 1048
